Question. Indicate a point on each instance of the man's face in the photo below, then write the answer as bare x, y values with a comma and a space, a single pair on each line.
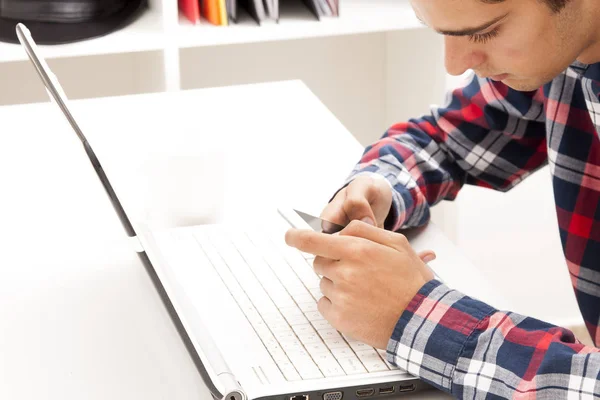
525, 46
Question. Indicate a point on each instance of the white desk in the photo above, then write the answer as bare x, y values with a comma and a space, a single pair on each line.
80, 318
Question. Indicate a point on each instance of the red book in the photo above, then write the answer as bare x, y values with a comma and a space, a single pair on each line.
191, 10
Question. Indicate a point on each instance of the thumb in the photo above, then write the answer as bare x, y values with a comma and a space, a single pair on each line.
427, 256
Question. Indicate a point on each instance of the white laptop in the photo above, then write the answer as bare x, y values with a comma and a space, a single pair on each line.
245, 303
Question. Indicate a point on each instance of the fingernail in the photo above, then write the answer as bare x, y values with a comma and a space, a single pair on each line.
368, 220
428, 258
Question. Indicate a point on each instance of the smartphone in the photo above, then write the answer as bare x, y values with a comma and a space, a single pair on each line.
318, 224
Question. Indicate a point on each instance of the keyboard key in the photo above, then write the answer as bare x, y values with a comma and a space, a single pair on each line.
303, 329
273, 373
342, 352
294, 286
252, 314
299, 355
299, 320
305, 366
304, 298
359, 346
375, 365
308, 307
371, 360
335, 343
289, 371
291, 311
316, 348
313, 316
383, 355
278, 355
390, 366
292, 345
273, 317
279, 327
310, 338
321, 324
284, 300
308, 370
271, 343
329, 334
367, 354
285, 336
328, 365
352, 365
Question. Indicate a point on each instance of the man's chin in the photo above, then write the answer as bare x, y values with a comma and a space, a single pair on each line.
523, 85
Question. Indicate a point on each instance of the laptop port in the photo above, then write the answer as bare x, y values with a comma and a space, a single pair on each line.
387, 390
365, 392
301, 397
332, 396
407, 388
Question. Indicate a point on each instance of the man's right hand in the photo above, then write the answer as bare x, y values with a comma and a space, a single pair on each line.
367, 199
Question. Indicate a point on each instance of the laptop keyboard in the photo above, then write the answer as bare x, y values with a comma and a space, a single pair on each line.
277, 290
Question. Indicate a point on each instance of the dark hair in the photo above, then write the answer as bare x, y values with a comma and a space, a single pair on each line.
555, 5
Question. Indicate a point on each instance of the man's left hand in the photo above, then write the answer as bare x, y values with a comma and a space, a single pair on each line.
369, 277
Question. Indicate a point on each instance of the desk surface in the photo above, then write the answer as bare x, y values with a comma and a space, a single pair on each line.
80, 317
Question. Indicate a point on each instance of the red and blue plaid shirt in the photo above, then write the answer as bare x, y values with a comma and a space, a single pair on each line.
490, 135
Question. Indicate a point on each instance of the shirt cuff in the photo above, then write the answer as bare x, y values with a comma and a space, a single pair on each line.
432, 333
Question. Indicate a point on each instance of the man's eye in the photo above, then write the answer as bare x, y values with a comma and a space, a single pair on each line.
484, 37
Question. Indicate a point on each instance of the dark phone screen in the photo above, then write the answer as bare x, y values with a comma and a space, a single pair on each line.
319, 224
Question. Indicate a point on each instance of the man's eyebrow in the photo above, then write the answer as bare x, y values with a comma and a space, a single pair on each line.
468, 31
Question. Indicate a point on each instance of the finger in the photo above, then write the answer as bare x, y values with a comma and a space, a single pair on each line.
427, 256
325, 307
327, 288
334, 211
323, 266
334, 247
387, 238
357, 206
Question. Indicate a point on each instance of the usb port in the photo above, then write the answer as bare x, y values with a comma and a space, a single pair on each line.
387, 390
365, 392
407, 388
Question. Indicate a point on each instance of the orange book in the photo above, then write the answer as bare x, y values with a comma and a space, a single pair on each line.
191, 10
210, 11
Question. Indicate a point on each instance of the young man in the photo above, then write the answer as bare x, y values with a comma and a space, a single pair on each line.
533, 100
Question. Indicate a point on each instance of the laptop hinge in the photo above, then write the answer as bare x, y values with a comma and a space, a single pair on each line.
136, 244
233, 390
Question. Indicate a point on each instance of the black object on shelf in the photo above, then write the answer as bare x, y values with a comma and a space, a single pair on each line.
67, 21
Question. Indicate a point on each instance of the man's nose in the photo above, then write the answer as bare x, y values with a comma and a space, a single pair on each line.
460, 55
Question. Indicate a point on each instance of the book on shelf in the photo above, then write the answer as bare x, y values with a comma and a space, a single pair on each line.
191, 10
226, 12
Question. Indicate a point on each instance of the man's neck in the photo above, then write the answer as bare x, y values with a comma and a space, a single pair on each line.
591, 54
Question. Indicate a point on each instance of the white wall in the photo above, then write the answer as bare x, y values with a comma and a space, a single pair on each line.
83, 77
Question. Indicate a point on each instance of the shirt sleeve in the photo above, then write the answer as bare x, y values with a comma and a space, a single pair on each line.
473, 351
487, 134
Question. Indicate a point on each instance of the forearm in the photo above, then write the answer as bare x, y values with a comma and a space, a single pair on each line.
419, 171
483, 136
470, 349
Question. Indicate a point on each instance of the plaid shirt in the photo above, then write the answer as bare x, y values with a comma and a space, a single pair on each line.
493, 136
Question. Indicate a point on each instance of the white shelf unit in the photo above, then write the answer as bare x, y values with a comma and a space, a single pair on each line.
349, 62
